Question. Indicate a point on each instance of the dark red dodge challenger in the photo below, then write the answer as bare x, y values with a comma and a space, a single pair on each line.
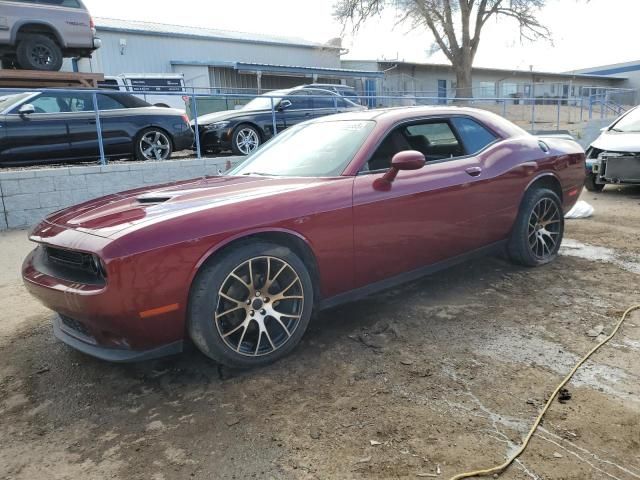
330, 210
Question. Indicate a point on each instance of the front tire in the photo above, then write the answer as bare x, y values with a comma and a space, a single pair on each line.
39, 52
245, 139
251, 306
153, 144
591, 185
538, 230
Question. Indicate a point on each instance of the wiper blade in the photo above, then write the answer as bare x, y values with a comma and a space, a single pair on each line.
616, 130
262, 174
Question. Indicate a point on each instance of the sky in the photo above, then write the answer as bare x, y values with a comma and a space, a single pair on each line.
585, 33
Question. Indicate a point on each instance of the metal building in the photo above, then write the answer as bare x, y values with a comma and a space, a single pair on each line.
216, 59
437, 80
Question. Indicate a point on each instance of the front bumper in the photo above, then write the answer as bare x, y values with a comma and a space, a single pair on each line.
106, 320
87, 345
215, 139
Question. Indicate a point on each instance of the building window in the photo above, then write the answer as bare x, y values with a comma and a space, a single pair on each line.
487, 89
509, 89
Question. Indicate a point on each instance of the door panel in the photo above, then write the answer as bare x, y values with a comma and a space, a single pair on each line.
426, 216
116, 138
38, 137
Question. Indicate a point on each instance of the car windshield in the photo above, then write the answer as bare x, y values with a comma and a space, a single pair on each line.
263, 102
319, 149
7, 100
629, 123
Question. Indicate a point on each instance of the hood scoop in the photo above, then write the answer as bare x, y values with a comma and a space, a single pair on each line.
153, 198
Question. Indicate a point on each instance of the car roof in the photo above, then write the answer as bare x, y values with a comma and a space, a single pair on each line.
330, 85
392, 115
286, 91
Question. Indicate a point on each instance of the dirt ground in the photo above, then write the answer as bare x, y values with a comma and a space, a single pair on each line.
437, 377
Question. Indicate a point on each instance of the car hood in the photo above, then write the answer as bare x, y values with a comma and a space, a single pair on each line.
110, 215
225, 115
618, 142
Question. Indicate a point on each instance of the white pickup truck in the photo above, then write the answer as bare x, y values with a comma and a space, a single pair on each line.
161, 90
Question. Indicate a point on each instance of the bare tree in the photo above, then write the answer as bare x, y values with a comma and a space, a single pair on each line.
455, 24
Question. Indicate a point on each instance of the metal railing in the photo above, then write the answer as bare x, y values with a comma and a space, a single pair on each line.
530, 113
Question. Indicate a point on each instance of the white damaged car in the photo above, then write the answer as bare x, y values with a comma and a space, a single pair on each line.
614, 157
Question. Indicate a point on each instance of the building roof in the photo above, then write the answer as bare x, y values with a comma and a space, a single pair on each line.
162, 29
611, 69
283, 69
502, 71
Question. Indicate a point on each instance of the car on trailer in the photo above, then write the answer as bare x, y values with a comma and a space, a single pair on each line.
614, 157
331, 210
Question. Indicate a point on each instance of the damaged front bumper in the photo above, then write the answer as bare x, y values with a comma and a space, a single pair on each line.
615, 167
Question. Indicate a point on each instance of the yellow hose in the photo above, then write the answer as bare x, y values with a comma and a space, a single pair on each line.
500, 468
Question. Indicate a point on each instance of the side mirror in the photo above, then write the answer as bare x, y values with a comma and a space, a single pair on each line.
284, 104
407, 160
27, 109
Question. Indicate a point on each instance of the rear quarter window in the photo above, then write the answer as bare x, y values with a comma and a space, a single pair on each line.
474, 136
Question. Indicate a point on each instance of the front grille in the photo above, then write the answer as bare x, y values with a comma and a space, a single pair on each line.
70, 265
74, 260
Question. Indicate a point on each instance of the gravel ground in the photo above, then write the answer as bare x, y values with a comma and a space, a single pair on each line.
440, 376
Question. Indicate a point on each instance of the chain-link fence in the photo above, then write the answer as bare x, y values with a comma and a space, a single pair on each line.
533, 113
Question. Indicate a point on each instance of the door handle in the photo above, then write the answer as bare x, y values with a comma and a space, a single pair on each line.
474, 171
92, 122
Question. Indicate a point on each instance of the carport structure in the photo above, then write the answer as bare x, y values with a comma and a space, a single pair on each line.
249, 77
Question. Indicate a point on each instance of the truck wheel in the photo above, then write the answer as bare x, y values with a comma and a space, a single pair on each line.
39, 52
591, 185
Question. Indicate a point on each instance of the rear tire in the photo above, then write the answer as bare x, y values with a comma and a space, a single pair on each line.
153, 144
39, 52
254, 288
591, 185
538, 230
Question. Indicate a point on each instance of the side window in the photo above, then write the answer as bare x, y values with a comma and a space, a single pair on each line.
322, 99
299, 101
434, 139
109, 84
474, 136
50, 103
80, 103
381, 159
106, 102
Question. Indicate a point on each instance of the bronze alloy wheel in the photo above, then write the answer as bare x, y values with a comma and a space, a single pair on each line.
544, 228
260, 304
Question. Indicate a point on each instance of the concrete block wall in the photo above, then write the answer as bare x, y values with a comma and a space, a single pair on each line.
27, 196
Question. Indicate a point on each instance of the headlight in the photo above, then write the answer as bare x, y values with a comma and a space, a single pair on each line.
216, 126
